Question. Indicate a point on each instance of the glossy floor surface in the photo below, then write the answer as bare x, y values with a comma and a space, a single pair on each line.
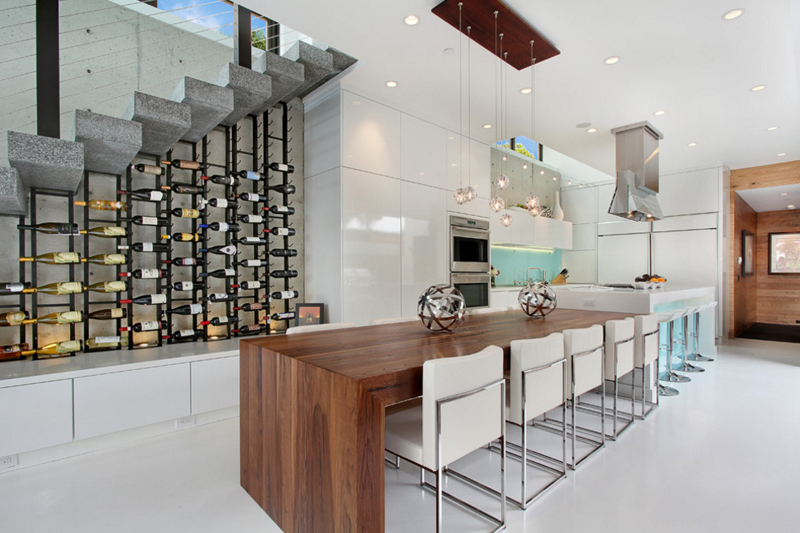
720, 457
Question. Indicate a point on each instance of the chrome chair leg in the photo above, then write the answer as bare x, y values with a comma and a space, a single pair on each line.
695, 356
669, 375
683, 365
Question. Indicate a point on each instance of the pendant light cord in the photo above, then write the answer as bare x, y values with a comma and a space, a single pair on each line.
469, 106
460, 98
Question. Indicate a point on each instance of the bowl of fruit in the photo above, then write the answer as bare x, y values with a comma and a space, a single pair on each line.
649, 281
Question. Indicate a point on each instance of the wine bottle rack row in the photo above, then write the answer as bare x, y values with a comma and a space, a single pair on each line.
189, 213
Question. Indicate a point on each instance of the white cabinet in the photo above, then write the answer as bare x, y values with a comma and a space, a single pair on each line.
371, 136
622, 258
215, 384
581, 264
622, 227
425, 231
323, 241
604, 195
580, 205
323, 135
35, 416
687, 222
460, 152
526, 230
424, 152
689, 193
549, 233
686, 258
504, 298
584, 236
124, 400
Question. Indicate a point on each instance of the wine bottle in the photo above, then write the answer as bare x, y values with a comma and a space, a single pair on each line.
152, 325
220, 273
186, 286
252, 197
108, 314
7, 288
67, 287
13, 351
105, 342
223, 180
185, 165
283, 274
147, 221
190, 309
13, 318
186, 261
284, 295
183, 237
184, 188
108, 232
281, 167
279, 209
54, 258
250, 329
250, 175
222, 297
223, 203
56, 349
108, 286
221, 226
281, 232
147, 299
108, 259
283, 252
147, 247
283, 316
250, 285
186, 213
253, 263
252, 241
145, 273
283, 189
150, 169
186, 334
66, 317
220, 250
53, 228
103, 205
254, 306
221, 321
146, 195
252, 219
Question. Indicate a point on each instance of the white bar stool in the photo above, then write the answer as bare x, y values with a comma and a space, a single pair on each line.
683, 365
462, 409
669, 375
319, 327
619, 355
695, 355
645, 353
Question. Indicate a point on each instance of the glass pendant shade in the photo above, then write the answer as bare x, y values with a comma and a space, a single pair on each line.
506, 220
471, 193
501, 181
460, 196
531, 201
497, 204
535, 211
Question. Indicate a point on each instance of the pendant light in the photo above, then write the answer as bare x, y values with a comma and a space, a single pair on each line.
470, 192
532, 201
506, 219
460, 195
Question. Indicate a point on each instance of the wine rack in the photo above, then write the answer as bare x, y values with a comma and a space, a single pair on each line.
251, 145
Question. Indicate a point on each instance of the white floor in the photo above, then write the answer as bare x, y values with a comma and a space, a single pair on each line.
724, 456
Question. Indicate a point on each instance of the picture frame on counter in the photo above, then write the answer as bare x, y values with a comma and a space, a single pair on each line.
748, 254
309, 313
784, 253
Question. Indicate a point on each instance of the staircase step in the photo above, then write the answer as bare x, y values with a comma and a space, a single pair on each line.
250, 90
318, 65
287, 76
210, 105
163, 121
13, 196
341, 62
109, 143
46, 163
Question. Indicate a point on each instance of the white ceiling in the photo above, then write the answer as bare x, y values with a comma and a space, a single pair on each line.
680, 56
770, 199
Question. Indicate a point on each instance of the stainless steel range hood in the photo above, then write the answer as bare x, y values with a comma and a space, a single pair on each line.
637, 173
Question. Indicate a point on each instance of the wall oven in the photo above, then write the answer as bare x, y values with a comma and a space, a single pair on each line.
474, 288
469, 245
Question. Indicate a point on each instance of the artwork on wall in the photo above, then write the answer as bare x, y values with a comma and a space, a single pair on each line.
784, 253
748, 254
306, 314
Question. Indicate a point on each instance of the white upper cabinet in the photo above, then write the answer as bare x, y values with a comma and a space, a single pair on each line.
424, 152
686, 258
371, 136
622, 258
526, 230
604, 195
690, 193
549, 233
580, 205
584, 236
323, 135
478, 155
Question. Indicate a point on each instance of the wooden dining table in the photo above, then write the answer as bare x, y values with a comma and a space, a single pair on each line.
312, 409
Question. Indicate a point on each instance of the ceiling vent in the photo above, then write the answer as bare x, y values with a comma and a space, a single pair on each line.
637, 173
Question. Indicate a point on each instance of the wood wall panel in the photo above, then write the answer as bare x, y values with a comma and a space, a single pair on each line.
743, 310
778, 296
765, 176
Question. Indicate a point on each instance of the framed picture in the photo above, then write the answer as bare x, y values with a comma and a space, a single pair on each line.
784, 253
748, 254
306, 314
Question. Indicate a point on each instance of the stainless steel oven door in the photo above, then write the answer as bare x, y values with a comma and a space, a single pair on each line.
474, 288
469, 250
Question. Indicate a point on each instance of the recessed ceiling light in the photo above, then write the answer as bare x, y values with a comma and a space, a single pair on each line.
659, 113
505, 158
524, 166
356, 102
758, 88
781, 154
591, 130
555, 178
569, 182
541, 172
412, 20
790, 206
733, 14
526, 90
784, 194
772, 128
612, 60
487, 126
583, 125
391, 83
453, 164
449, 51
693, 144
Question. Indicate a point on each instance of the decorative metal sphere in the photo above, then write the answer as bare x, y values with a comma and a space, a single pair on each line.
441, 308
506, 220
497, 204
537, 300
501, 181
460, 196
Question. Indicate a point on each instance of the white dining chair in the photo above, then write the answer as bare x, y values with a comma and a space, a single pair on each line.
396, 320
311, 328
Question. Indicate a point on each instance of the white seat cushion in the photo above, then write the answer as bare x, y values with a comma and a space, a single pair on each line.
617, 331
404, 430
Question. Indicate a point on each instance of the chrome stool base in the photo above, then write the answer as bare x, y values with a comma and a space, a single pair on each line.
697, 358
672, 377
684, 366
667, 391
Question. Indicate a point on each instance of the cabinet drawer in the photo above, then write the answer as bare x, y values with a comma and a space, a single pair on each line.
215, 384
35, 416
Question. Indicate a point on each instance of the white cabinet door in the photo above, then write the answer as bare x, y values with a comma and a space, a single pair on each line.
580, 205
622, 227
424, 152
584, 236
36, 416
462, 152
549, 233
622, 258
686, 258
425, 236
323, 135
124, 400
690, 193
215, 384
604, 195
371, 247
524, 228
581, 264
371, 136
498, 299
500, 234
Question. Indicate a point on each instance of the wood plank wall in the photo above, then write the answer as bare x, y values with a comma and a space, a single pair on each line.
752, 178
778, 296
744, 288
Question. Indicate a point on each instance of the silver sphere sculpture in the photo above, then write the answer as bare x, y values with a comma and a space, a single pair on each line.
537, 300
441, 308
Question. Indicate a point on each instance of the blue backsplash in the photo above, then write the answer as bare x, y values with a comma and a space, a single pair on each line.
510, 260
